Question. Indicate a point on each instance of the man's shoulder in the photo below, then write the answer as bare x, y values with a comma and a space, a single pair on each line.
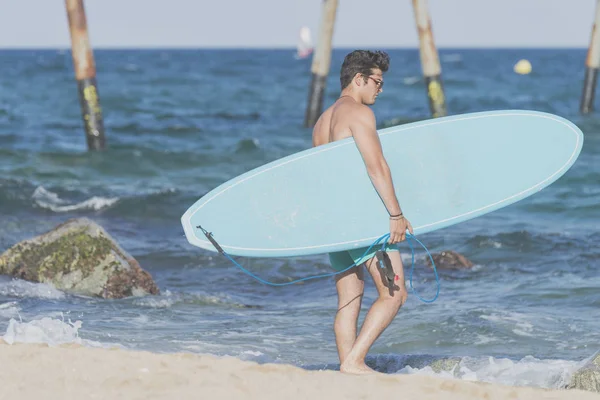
323, 118
328, 110
360, 112
365, 110
354, 109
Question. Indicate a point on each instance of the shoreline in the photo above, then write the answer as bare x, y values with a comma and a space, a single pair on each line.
33, 371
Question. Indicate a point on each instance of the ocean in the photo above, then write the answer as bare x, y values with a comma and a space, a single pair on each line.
180, 122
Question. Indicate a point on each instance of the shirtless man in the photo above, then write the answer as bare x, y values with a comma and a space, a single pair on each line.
361, 79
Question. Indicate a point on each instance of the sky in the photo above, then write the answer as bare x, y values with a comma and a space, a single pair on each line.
276, 23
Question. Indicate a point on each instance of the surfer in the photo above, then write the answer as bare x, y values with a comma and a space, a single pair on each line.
361, 79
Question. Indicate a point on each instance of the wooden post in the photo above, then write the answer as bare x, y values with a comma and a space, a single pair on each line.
321, 63
430, 62
592, 64
85, 74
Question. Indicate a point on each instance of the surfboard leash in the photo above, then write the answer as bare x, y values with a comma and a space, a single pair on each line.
384, 263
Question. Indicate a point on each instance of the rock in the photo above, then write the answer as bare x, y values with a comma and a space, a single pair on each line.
392, 363
445, 364
588, 376
79, 257
449, 260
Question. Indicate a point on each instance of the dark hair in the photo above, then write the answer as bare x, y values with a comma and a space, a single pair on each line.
362, 62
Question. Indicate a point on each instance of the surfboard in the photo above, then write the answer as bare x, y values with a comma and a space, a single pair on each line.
445, 171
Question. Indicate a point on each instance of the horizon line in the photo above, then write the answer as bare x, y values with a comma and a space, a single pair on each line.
293, 47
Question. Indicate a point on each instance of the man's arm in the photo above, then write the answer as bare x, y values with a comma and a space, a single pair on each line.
365, 136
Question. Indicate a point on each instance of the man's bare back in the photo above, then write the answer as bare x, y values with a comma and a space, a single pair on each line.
334, 124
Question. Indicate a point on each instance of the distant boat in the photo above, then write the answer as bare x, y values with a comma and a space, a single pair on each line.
305, 46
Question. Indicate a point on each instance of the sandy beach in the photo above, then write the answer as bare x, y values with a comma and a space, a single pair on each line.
31, 371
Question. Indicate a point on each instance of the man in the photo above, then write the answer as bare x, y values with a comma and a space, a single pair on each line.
361, 78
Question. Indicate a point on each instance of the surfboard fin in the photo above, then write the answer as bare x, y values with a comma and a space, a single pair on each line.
385, 263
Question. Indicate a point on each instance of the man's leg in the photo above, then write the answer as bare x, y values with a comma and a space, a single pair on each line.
381, 314
350, 286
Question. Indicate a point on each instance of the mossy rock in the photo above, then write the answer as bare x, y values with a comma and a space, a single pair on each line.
80, 257
588, 376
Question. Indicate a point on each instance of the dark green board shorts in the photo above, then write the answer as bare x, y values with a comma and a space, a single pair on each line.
340, 260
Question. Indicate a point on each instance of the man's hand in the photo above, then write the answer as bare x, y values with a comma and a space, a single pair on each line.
398, 227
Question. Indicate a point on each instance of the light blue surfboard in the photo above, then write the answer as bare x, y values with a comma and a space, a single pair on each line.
445, 171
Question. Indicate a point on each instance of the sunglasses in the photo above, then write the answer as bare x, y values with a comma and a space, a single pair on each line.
378, 82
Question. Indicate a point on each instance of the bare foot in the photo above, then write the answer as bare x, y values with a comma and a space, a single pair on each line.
356, 368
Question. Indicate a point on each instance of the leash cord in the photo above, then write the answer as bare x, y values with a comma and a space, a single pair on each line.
381, 239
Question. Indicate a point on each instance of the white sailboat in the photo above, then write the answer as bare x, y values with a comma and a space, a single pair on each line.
305, 46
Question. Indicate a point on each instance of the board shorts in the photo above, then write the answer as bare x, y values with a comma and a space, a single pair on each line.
340, 260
